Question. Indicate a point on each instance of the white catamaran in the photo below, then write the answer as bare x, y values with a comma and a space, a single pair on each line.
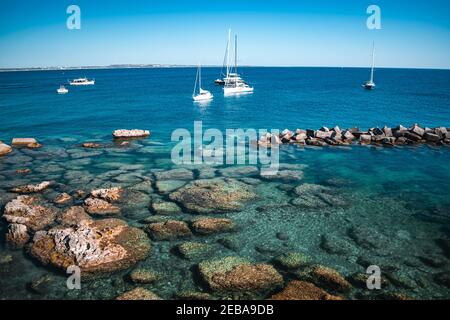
203, 95
370, 85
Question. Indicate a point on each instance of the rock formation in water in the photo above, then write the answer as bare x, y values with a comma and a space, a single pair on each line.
399, 135
94, 246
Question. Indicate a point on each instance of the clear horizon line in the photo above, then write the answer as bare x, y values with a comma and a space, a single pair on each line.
162, 66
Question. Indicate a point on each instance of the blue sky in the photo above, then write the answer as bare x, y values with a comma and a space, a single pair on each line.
271, 33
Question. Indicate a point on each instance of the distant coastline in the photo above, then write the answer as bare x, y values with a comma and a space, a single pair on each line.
167, 66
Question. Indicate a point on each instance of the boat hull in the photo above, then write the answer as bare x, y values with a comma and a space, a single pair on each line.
202, 97
233, 91
87, 83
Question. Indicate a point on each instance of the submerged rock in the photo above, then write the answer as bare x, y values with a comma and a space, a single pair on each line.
62, 198
292, 260
25, 142
138, 294
100, 207
214, 195
301, 290
26, 210
94, 246
165, 208
168, 230
327, 278
193, 295
73, 216
208, 225
335, 245
32, 188
4, 149
175, 174
234, 274
141, 275
166, 186
284, 175
42, 285
191, 250
315, 196
110, 194
442, 279
134, 133
367, 238
91, 145
17, 236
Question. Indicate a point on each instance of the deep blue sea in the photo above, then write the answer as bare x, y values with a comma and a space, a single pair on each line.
396, 198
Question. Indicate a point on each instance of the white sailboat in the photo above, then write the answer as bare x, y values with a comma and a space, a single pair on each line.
370, 85
203, 95
234, 84
62, 90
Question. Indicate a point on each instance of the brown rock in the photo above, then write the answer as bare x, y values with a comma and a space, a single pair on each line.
74, 216
32, 188
100, 207
212, 225
214, 195
23, 171
26, 210
91, 145
328, 278
4, 149
127, 134
365, 139
17, 235
168, 230
95, 246
234, 274
301, 290
138, 294
62, 198
110, 194
26, 142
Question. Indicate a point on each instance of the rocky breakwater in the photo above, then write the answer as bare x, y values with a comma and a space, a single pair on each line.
385, 136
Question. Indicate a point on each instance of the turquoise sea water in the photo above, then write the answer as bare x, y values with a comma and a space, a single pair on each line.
398, 197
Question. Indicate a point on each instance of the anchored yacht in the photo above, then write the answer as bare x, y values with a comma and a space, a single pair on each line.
202, 95
62, 90
82, 82
370, 85
234, 84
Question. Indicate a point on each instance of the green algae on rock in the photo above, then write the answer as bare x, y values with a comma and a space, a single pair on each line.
192, 250
292, 260
214, 195
143, 275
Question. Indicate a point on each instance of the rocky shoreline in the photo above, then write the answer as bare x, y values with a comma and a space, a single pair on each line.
386, 136
125, 218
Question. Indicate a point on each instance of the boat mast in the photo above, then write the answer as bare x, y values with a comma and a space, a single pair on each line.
235, 54
373, 62
195, 85
228, 52
199, 78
